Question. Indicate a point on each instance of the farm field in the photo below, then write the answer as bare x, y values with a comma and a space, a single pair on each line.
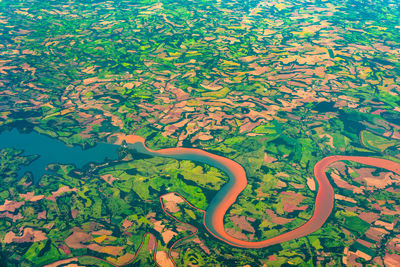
200, 133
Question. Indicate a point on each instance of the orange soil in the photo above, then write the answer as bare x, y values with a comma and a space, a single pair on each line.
323, 202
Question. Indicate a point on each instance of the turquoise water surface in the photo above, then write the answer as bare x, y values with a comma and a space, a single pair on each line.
51, 150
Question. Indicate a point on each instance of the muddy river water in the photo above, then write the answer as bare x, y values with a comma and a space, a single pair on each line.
51, 150
219, 205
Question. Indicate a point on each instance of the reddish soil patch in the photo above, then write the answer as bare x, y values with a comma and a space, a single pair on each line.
42, 215
369, 217
61, 190
108, 178
123, 260
102, 232
297, 186
290, 200
348, 199
311, 183
157, 225
388, 226
242, 223
272, 258
392, 260
74, 213
343, 184
280, 184
163, 260
365, 171
65, 249
376, 233
151, 245
76, 239
383, 180
168, 235
11, 216
30, 196
111, 250
11, 206
29, 236
364, 243
63, 262
171, 201
232, 232
269, 159
276, 219
126, 224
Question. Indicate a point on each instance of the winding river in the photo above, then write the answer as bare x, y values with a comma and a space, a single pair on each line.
51, 150
214, 214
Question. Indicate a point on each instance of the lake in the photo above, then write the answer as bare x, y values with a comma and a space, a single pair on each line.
51, 150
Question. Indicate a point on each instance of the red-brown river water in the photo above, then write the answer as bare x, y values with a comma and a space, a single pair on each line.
219, 205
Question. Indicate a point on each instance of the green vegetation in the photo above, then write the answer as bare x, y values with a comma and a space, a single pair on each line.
376, 142
275, 86
356, 225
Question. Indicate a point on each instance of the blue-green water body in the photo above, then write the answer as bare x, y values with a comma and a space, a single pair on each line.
51, 150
